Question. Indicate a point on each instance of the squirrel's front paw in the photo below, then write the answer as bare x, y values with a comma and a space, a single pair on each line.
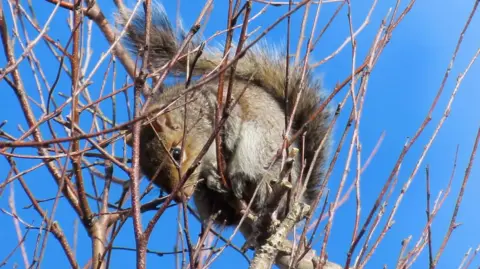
214, 182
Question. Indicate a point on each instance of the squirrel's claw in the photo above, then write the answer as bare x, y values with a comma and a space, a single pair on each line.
213, 182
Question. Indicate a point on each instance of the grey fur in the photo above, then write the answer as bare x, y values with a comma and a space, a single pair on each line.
253, 132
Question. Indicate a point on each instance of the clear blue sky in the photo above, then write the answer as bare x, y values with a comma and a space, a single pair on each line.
401, 89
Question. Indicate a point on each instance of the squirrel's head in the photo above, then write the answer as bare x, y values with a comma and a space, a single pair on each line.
165, 156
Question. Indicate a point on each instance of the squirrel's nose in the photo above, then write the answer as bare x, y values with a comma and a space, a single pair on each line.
181, 196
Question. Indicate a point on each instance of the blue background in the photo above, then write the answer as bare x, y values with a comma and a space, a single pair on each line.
400, 91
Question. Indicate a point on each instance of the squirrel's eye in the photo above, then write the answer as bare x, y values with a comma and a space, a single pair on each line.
176, 154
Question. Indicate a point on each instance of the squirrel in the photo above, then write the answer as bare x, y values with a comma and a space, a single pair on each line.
252, 134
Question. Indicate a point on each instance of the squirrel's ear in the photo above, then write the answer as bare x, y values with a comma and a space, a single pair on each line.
176, 126
167, 123
164, 124
159, 123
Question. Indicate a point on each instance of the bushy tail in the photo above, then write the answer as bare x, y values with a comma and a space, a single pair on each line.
262, 65
165, 41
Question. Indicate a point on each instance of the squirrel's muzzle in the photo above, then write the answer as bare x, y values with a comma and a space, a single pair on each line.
185, 194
